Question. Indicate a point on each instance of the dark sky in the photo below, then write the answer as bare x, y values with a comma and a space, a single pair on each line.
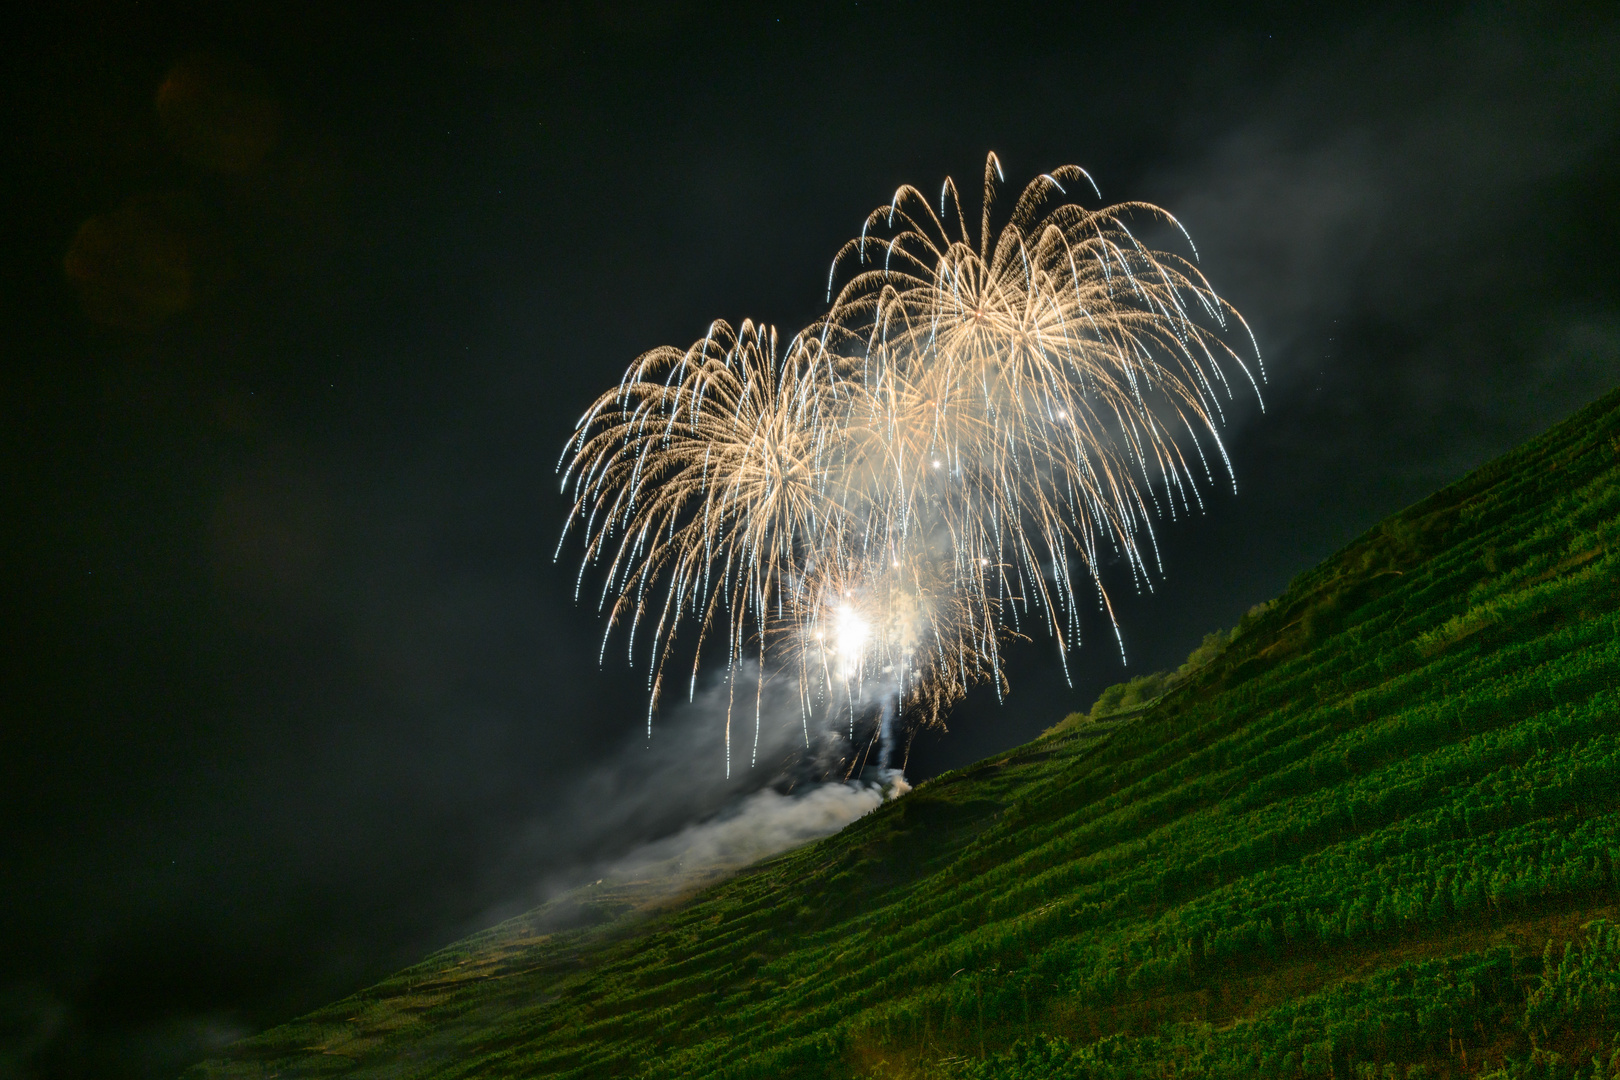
299, 306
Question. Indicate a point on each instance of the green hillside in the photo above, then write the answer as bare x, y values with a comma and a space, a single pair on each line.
1374, 834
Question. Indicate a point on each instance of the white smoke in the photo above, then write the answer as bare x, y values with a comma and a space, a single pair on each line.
1318, 207
661, 811
753, 827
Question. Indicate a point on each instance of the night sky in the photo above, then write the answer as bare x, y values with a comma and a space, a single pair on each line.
301, 304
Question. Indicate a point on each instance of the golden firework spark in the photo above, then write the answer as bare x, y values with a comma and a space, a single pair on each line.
949, 452
701, 482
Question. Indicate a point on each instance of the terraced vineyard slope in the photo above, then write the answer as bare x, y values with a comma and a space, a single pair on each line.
1368, 838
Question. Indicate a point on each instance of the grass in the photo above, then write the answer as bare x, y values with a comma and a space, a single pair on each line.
1341, 843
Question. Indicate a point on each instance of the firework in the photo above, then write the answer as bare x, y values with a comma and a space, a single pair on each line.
947, 456
1056, 374
701, 481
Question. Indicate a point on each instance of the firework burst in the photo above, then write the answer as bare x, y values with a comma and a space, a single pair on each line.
700, 482
943, 459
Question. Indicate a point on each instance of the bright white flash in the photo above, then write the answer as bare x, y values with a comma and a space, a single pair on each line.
850, 633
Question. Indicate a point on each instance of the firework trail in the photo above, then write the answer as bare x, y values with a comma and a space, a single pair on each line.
943, 459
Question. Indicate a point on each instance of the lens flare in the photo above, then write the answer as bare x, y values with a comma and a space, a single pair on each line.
946, 458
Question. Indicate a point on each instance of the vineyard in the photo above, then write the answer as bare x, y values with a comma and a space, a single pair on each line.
1369, 832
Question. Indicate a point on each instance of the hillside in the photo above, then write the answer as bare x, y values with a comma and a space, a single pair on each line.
1355, 843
